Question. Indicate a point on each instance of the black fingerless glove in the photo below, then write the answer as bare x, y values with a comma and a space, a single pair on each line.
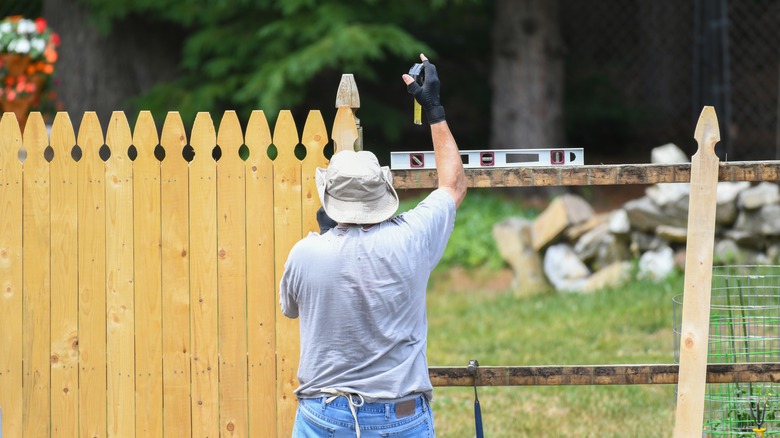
427, 95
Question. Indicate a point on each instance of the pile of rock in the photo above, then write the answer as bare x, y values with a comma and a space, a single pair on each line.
572, 248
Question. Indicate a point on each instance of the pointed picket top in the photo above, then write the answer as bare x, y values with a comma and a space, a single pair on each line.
344, 130
173, 130
347, 93
118, 136
203, 139
173, 139
694, 328
62, 138
90, 135
35, 138
258, 138
707, 132
10, 139
145, 137
315, 137
285, 134
229, 137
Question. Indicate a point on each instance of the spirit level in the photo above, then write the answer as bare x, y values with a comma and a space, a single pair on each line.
492, 158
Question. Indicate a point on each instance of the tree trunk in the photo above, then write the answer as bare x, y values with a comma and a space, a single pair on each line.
103, 72
527, 81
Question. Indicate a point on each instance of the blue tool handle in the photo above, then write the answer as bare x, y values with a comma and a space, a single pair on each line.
478, 419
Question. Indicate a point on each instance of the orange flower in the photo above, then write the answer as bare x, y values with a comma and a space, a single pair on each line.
50, 54
48, 69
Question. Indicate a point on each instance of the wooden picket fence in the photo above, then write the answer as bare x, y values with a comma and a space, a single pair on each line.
139, 296
138, 293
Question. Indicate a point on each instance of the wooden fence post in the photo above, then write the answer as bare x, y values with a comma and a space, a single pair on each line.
694, 336
347, 95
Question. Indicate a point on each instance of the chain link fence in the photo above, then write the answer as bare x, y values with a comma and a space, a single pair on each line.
639, 73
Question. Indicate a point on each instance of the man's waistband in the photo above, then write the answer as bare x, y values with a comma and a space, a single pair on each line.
402, 406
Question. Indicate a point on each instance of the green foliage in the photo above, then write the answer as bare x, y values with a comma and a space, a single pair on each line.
265, 54
630, 324
271, 54
472, 244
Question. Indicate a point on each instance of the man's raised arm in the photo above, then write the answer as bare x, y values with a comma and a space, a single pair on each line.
449, 166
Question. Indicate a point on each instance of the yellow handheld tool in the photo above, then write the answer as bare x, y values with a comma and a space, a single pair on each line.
417, 72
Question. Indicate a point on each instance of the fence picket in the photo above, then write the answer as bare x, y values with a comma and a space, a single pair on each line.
314, 138
120, 309
64, 280
148, 277
231, 230
92, 279
287, 231
175, 280
203, 279
37, 281
10, 276
261, 296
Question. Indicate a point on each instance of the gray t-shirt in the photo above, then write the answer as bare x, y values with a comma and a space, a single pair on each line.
360, 295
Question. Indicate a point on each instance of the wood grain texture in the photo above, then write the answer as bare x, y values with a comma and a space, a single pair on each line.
92, 279
11, 297
314, 138
261, 284
36, 336
203, 280
694, 336
287, 231
344, 133
175, 254
231, 268
64, 280
120, 302
555, 375
615, 174
147, 263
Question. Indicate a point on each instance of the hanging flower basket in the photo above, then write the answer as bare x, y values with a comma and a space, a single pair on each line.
19, 106
14, 63
28, 52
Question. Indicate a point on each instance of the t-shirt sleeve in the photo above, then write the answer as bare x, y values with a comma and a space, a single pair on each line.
287, 288
433, 219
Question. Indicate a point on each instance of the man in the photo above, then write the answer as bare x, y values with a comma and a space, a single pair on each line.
359, 290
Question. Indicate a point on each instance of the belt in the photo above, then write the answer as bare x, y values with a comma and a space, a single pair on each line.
402, 409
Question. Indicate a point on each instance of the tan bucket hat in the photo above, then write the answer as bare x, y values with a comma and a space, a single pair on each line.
354, 189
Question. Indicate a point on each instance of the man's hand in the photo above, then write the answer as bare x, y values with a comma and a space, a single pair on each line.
427, 95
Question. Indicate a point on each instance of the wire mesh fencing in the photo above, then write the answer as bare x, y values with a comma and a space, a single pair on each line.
744, 328
639, 72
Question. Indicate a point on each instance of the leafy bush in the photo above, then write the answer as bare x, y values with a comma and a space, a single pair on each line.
472, 244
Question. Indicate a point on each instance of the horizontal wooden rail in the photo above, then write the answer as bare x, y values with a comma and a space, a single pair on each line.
610, 174
598, 375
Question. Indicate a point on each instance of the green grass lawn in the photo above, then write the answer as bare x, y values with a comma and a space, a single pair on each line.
629, 325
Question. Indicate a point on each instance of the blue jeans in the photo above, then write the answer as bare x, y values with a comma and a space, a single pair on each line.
316, 418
